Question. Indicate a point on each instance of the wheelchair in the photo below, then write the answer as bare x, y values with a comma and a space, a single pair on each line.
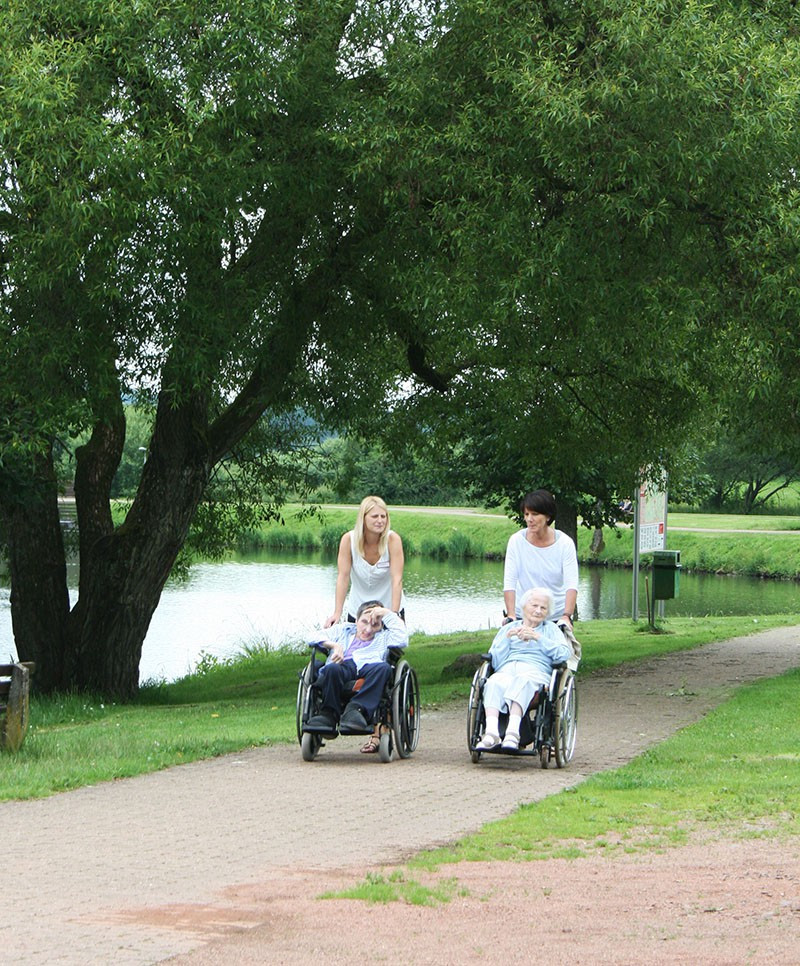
549, 726
398, 712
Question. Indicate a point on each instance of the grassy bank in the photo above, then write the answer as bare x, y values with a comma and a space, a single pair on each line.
444, 534
429, 533
753, 554
74, 741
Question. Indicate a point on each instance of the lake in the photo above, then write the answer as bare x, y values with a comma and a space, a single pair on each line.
278, 598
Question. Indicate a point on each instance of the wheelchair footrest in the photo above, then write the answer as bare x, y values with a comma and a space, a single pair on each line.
330, 735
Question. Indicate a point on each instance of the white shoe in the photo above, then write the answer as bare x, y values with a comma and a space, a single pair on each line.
488, 742
511, 742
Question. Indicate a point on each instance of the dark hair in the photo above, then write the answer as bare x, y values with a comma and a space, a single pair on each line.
367, 605
540, 501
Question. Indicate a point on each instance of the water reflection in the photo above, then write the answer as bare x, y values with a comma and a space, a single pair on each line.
278, 598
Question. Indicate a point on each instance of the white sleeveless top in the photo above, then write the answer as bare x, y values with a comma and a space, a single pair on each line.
369, 581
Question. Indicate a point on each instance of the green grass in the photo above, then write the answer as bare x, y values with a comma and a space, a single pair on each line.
753, 554
445, 535
398, 886
435, 534
731, 521
74, 741
734, 772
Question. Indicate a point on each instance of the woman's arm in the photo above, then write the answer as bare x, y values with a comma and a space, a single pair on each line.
570, 602
510, 569
396, 565
344, 563
570, 572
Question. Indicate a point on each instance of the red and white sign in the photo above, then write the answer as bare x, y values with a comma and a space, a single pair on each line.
652, 518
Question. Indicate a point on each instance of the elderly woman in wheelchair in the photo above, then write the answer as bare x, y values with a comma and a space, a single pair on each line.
364, 683
524, 693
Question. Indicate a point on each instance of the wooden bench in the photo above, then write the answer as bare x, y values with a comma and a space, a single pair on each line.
15, 682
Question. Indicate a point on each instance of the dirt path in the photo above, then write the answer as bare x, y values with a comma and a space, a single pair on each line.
221, 860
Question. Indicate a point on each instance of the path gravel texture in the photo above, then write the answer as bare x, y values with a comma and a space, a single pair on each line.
189, 862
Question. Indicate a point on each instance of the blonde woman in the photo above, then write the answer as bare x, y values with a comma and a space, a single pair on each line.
370, 563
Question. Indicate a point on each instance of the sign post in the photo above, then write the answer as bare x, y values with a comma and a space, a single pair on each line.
649, 528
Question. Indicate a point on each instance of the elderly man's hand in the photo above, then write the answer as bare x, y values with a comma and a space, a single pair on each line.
376, 615
336, 654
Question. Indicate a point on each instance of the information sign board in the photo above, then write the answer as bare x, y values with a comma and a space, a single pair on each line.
652, 518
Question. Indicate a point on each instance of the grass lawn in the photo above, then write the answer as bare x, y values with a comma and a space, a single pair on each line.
75, 741
731, 521
736, 770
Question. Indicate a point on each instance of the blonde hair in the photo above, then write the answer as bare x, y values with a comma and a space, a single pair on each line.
367, 504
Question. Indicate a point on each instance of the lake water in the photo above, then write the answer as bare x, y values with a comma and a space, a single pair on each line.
278, 598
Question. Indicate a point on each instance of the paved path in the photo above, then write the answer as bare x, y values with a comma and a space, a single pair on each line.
140, 870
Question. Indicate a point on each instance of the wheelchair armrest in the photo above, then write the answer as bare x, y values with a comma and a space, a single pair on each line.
571, 663
394, 654
319, 649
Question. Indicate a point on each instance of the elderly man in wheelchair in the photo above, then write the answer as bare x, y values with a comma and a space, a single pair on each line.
364, 687
523, 696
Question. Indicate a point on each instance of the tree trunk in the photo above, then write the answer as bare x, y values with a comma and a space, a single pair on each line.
567, 520
97, 646
37, 563
124, 570
120, 590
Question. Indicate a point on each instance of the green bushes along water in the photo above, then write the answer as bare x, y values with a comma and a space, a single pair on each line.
472, 534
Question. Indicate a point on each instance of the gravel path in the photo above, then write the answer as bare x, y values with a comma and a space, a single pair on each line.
195, 861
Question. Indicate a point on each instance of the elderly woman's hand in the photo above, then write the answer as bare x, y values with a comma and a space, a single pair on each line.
525, 633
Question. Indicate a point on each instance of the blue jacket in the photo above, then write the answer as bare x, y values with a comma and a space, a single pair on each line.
395, 634
551, 648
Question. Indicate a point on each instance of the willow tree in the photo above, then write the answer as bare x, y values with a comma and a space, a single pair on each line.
515, 211
182, 218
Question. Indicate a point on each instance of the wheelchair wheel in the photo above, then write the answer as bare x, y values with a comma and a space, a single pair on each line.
303, 710
385, 747
405, 709
310, 745
565, 719
476, 719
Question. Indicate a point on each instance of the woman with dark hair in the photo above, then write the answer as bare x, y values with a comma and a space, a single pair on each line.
541, 556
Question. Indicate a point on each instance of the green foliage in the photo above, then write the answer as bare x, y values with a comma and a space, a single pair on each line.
409, 476
526, 236
623, 134
748, 468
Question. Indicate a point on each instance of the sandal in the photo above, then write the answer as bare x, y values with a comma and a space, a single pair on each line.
488, 742
510, 742
371, 745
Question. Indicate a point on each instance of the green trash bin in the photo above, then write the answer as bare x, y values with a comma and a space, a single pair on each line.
666, 574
